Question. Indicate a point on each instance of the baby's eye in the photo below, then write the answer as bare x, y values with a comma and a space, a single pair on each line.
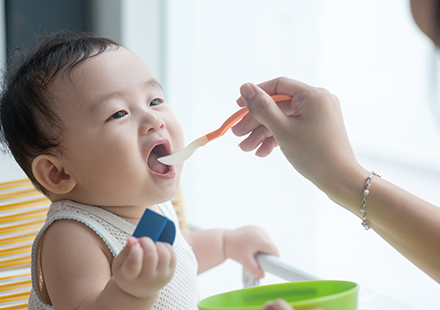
155, 102
118, 114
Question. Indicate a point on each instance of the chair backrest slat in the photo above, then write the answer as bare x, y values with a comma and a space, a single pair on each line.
23, 211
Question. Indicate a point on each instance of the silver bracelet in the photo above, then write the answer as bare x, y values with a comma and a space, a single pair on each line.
364, 200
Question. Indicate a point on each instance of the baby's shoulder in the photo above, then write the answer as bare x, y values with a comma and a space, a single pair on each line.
69, 237
72, 257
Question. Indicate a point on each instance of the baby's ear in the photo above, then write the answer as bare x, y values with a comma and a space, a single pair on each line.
50, 173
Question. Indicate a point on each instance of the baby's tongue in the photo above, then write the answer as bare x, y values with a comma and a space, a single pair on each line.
155, 165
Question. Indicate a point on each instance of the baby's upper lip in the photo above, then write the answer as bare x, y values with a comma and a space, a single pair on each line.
162, 141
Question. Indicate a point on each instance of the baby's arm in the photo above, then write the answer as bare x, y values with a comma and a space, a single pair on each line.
81, 273
212, 247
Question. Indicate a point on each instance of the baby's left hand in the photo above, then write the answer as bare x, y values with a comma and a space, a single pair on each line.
245, 243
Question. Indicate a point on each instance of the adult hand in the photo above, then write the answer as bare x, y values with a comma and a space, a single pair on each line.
277, 305
309, 129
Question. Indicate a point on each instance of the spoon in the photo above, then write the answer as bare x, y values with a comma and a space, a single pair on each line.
186, 152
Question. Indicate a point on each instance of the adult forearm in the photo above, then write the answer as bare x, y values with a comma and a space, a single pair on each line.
311, 133
408, 223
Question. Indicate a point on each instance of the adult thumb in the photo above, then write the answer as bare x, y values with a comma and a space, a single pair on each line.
262, 106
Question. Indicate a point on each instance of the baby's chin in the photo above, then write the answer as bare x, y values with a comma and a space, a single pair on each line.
125, 194
162, 195
129, 197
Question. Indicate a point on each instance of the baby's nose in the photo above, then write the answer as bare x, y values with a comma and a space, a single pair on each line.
152, 122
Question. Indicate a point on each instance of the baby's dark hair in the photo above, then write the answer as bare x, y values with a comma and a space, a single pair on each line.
29, 125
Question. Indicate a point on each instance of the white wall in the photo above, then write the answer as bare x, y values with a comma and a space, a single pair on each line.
142, 32
372, 56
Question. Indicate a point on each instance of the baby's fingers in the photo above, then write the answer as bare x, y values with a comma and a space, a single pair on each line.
132, 263
251, 265
122, 256
166, 259
150, 256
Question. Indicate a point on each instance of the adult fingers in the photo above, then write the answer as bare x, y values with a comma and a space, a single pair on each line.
246, 125
257, 136
262, 107
266, 147
283, 85
277, 305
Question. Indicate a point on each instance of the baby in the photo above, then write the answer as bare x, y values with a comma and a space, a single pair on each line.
86, 121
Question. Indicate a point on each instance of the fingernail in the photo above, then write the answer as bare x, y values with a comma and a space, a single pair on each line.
132, 241
247, 91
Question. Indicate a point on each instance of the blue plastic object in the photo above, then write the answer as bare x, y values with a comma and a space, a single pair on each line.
155, 226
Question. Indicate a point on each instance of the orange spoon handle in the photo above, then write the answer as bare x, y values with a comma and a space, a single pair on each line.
234, 118
231, 121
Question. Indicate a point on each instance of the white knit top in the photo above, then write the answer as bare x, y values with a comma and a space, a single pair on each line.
180, 293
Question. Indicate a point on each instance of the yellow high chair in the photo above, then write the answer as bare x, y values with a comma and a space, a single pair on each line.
22, 214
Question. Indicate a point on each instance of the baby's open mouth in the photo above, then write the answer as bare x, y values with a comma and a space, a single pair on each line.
154, 164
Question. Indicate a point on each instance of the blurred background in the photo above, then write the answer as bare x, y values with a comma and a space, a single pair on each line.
370, 54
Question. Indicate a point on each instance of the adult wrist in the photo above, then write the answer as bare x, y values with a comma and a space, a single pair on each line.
346, 188
366, 192
226, 236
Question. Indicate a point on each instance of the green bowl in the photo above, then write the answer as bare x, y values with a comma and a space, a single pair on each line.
328, 295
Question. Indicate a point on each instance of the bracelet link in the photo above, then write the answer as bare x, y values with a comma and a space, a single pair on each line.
364, 200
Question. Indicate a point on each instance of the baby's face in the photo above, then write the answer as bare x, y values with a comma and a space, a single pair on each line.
117, 125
